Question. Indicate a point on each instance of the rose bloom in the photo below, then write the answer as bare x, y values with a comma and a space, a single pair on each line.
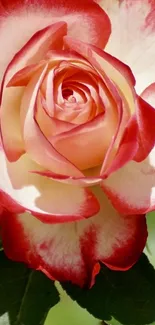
77, 121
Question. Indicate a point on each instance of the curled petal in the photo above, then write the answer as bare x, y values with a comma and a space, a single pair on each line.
149, 94
36, 144
35, 49
128, 195
23, 76
80, 181
34, 15
86, 145
128, 147
146, 131
49, 200
120, 81
49, 126
61, 251
10, 123
123, 145
116, 71
31, 53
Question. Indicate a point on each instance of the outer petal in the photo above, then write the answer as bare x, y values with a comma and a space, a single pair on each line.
84, 20
131, 189
32, 52
71, 251
149, 94
36, 48
146, 121
51, 201
132, 38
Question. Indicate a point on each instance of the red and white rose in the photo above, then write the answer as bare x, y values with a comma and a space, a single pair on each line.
77, 123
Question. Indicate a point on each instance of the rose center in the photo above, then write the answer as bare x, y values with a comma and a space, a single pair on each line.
68, 95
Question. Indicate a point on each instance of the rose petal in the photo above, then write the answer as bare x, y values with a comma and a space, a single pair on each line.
61, 56
105, 64
114, 70
114, 107
23, 76
36, 48
86, 145
132, 39
146, 130
84, 20
9, 204
48, 125
61, 251
149, 94
36, 144
51, 201
10, 123
131, 189
95, 135
124, 144
127, 150
10, 105
80, 181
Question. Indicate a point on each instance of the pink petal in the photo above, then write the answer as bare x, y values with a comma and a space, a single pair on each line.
127, 150
146, 121
131, 189
71, 76
80, 181
36, 144
10, 123
105, 64
48, 125
61, 251
149, 94
84, 20
121, 83
49, 91
56, 57
114, 109
124, 144
36, 48
86, 145
23, 76
132, 38
49, 200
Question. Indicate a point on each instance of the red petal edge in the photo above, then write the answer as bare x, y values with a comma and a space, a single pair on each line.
17, 247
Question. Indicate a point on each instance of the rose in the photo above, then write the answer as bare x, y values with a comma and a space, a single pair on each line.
77, 139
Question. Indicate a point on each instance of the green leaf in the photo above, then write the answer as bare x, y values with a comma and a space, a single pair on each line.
72, 313
25, 295
126, 298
